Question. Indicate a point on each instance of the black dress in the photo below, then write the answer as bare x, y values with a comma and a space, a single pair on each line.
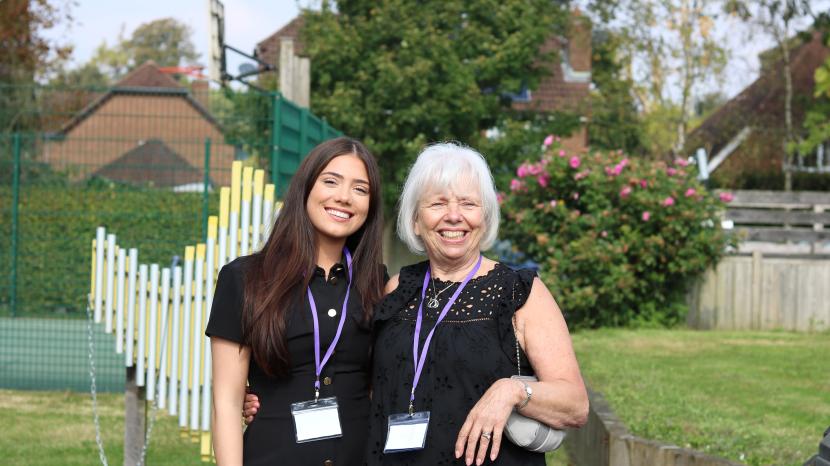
472, 348
270, 439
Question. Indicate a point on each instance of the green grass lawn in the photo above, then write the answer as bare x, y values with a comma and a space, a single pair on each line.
761, 398
758, 398
56, 428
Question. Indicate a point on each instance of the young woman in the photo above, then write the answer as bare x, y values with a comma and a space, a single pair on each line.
293, 320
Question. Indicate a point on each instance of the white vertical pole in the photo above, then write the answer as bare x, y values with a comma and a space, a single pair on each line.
256, 210
233, 228
245, 210
174, 359
186, 380
196, 330
154, 311
142, 324
130, 337
210, 273
267, 211
224, 213
100, 234
119, 307
108, 305
165, 328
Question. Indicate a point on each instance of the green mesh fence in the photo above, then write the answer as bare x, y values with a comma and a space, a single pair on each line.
143, 161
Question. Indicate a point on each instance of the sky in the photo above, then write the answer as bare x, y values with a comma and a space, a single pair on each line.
250, 21
246, 23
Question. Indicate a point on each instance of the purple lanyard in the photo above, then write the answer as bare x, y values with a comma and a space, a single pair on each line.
419, 361
318, 364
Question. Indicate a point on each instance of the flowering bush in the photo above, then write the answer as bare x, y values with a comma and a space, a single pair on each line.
618, 240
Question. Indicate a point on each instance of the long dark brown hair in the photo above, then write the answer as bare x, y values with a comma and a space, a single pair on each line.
278, 275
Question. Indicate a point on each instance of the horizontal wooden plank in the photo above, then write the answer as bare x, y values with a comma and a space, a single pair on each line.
775, 198
782, 235
777, 217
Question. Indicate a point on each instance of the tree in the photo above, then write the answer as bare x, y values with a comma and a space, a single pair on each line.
817, 120
776, 17
671, 52
166, 41
26, 54
399, 74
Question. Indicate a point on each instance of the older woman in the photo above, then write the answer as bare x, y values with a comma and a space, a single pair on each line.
446, 333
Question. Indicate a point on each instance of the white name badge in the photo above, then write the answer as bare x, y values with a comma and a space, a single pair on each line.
316, 420
406, 432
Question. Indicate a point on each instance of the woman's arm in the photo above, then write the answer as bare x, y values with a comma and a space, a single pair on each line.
559, 398
230, 373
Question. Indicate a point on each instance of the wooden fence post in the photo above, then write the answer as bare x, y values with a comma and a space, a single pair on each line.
133, 419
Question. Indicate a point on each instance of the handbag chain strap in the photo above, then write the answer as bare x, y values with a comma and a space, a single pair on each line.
516, 337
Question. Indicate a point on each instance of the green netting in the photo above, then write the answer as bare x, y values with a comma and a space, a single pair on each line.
143, 162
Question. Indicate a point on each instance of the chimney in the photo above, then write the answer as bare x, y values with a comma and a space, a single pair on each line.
579, 43
200, 90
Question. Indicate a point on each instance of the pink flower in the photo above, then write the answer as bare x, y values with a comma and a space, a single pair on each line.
625, 191
669, 201
582, 174
523, 170
516, 185
624, 162
500, 197
681, 162
575, 196
671, 171
618, 169
561, 152
548, 140
604, 234
643, 184
646, 216
553, 203
542, 180
726, 197
691, 192
574, 162
535, 169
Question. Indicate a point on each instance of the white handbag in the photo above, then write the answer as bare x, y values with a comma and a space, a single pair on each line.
528, 433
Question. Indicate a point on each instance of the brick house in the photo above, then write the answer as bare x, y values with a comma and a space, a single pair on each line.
744, 137
147, 129
566, 88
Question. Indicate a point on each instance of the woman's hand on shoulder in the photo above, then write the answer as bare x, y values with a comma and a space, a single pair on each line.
392, 284
489, 417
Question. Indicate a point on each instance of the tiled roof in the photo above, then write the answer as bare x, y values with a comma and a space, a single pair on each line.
151, 162
761, 104
268, 50
148, 74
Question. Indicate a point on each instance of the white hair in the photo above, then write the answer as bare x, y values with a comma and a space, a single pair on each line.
441, 167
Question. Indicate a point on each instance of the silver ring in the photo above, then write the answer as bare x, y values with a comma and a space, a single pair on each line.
486, 435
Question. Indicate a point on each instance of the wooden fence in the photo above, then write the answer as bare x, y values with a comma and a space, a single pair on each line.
780, 222
758, 292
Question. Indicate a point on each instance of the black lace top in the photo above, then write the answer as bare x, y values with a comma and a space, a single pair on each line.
472, 348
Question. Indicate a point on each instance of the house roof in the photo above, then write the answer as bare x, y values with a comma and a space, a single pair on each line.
761, 104
268, 49
147, 79
151, 161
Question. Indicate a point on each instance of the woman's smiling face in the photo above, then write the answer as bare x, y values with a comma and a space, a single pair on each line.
338, 203
450, 222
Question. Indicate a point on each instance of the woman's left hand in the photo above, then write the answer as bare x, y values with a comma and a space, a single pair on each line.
485, 422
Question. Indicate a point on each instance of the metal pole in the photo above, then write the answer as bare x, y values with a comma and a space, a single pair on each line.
276, 102
205, 190
15, 221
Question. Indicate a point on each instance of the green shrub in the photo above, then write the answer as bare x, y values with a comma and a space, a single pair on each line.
618, 240
56, 227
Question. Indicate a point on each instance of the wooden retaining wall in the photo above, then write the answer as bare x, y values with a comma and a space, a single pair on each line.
605, 441
758, 292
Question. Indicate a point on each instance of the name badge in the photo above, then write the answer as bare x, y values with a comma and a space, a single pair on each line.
406, 432
316, 420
